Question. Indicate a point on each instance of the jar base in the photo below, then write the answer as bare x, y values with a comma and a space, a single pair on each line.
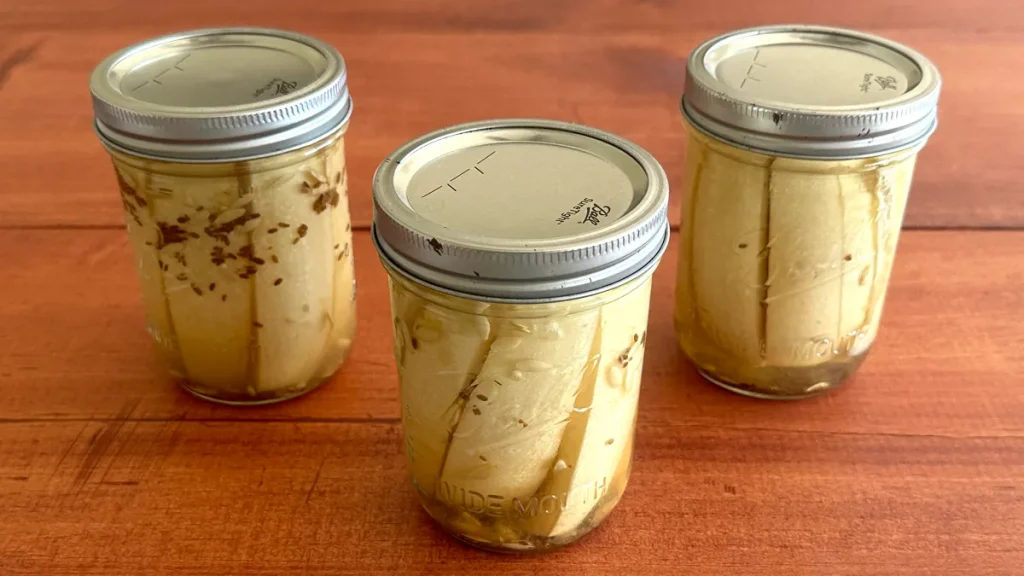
265, 399
804, 382
447, 519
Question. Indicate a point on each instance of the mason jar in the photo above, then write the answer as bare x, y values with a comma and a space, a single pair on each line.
228, 149
801, 150
520, 255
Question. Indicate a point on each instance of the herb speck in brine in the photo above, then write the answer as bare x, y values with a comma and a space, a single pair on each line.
273, 258
482, 397
223, 297
170, 234
476, 410
320, 204
278, 282
213, 286
183, 219
196, 289
257, 325
272, 231
282, 224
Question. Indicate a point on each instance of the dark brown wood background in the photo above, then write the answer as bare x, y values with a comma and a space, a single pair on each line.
916, 467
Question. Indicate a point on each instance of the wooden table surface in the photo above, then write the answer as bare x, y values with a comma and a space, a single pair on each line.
915, 467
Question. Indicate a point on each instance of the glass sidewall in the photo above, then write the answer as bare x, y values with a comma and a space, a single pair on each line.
713, 331
183, 243
534, 520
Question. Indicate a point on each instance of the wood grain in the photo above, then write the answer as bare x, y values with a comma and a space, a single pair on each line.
266, 498
615, 65
947, 362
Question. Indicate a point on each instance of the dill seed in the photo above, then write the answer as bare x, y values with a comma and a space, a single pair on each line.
278, 282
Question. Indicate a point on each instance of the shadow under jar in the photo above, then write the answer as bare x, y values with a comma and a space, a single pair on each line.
801, 151
520, 255
234, 191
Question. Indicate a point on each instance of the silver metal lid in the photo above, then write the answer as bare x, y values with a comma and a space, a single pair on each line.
811, 91
220, 94
513, 210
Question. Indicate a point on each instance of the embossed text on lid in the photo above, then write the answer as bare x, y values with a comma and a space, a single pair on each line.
520, 209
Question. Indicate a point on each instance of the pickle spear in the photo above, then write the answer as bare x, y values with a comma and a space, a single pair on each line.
599, 434
144, 239
728, 257
213, 325
512, 425
805, 235
859, 262
890, 201
292, 248
439, 353
344, 287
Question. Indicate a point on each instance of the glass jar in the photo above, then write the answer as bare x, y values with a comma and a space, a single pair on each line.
241, 234
801, 151
520, 321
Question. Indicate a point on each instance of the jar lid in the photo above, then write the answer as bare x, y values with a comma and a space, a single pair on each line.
220, 94
513, 210
811, 91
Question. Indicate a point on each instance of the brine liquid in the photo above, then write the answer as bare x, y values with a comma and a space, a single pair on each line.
784, 264
518, 419
246, 269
